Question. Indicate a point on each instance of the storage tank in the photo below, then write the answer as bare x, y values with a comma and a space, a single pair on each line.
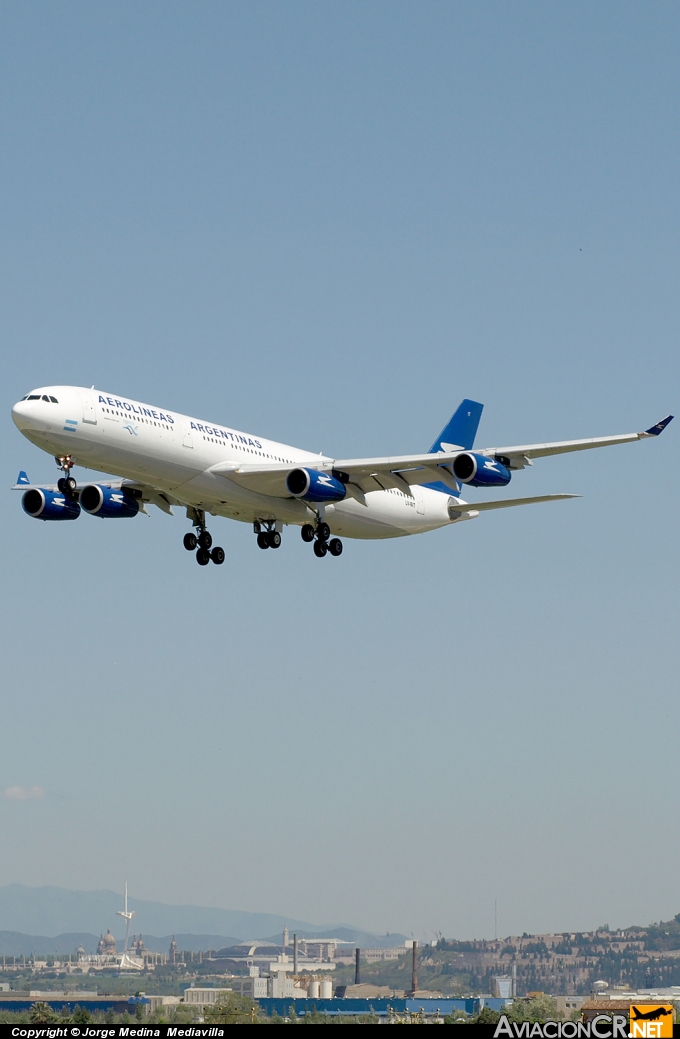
326, 989
313, 990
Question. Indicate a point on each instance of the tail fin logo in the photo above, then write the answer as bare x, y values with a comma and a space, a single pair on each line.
461, 429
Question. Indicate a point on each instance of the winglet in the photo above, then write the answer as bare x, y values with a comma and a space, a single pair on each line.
23, 479
659, 427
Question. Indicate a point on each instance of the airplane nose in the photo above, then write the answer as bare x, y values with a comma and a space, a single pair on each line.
21, 414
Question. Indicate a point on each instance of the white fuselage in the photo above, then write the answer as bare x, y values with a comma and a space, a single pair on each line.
175, 454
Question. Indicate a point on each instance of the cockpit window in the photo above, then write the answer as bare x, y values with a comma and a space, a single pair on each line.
33, 396
45, 397
54, 400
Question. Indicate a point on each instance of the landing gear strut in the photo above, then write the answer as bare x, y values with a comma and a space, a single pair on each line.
201, 542
267, 534
66, 484
320, 536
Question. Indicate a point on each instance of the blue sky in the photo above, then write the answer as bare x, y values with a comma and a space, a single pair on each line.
326, 224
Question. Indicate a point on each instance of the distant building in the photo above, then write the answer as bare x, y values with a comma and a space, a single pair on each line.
592, 1008
107, 945
173, 954
255, 987
568, 1004
280, 986
378, 955
164, 1002
316, 950
265, 956
502, 984
204, 997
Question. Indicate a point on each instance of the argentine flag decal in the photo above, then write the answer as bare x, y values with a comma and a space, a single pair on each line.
70, 425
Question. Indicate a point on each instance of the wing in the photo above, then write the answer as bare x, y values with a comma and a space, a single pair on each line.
143, 492
362, 475
151, 495
263, 479
522, 455
405, 464
359, 475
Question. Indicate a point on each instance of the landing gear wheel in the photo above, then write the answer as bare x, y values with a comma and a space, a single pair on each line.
67, 485
307, 532
274, 539
320, 549
190, 542
323, 532
335, 547
202, 557
217, 555
263, 539
205, 540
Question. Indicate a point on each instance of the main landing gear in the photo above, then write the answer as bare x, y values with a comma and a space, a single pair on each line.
267, 534
320, 536
67, 485
201, 543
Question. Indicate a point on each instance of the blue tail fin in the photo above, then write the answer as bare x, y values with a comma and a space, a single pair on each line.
22, 478
461, 429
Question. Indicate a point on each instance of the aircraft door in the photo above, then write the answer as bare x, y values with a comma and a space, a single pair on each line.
89, 412
420, 500
187, 439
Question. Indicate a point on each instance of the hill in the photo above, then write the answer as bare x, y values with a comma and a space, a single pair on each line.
14, 943
29, 914
55, 910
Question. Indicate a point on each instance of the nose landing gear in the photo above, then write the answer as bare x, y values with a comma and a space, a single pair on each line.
320, 536
66, 484
201, 543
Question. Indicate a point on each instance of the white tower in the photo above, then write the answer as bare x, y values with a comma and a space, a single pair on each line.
127, 917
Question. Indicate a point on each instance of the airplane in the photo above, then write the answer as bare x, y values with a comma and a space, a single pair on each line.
167, 459
652, 1015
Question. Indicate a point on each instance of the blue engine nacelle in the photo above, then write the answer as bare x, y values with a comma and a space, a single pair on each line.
49, 505
311, 485
107, 502
480, 470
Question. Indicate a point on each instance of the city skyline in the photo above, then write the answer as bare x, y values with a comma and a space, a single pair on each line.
330, 223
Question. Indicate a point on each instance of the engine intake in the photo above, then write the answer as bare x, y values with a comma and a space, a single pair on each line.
107, 502
480, 470
49, 505
312, 485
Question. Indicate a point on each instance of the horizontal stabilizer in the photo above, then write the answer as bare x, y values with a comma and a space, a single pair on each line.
508, 503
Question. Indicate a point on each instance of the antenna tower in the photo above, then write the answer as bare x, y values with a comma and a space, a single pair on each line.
127, 916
